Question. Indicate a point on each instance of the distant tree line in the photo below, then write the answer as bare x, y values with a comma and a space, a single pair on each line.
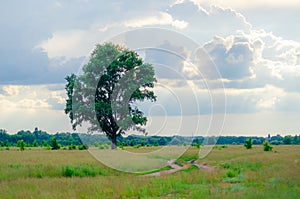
39, 138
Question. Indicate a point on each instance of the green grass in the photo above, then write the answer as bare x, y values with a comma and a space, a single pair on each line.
154, 170
238, 173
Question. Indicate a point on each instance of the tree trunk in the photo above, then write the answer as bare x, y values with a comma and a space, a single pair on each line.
114, 142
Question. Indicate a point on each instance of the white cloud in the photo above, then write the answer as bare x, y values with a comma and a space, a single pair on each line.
267, 98
260, 70
32, 97
237, 4
69, 44
162, 18
32, 104
252, 59
74, 43
12, 90
231, 56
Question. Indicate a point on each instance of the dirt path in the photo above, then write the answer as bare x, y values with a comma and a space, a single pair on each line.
176, 168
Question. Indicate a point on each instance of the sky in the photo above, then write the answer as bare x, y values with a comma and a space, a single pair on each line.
223, 67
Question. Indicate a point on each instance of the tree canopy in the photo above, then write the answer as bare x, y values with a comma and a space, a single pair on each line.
104, 94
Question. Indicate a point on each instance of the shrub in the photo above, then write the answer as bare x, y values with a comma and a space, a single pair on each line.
35, 144
231, 174
82, 147
81, 171
248, 144
267, 146
21, 144
54, 145
137, 146
71, 147
225, 165
69, 172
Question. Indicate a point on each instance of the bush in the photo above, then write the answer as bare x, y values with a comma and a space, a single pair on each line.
81, 171
54, 145
225, 165
21, 144
72, 147
248, 144
267, 146
69, 172
231, 174
82, 147
35, 144
137, 146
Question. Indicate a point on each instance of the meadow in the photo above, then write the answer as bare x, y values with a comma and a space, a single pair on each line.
237, 173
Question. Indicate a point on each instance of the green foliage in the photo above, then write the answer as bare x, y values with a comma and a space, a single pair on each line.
248, 144
131, 143
231, 174
287, 139
225, 165
137, 146
21, 145
54, 145
72, 147
82, 171
82, 147
41, 138
267, 146
35, 143
119, 77
198, 143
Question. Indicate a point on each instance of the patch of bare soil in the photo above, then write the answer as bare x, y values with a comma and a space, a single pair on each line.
176, 168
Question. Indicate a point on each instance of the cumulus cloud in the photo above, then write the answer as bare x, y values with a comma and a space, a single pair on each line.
248, 4
12, 90
231, 56
251, 59
32, 97
209, 20
162, 18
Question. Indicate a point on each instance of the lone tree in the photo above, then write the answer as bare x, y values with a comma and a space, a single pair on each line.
21, 144
248, 144
104, 94
54, 145
267, 146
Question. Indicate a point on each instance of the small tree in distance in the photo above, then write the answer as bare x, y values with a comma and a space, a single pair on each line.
267, 146
248, 144
54, 145
21, 144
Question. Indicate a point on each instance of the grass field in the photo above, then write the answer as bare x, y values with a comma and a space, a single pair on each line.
238, 173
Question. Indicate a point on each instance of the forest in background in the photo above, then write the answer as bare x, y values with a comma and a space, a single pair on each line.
41, 138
